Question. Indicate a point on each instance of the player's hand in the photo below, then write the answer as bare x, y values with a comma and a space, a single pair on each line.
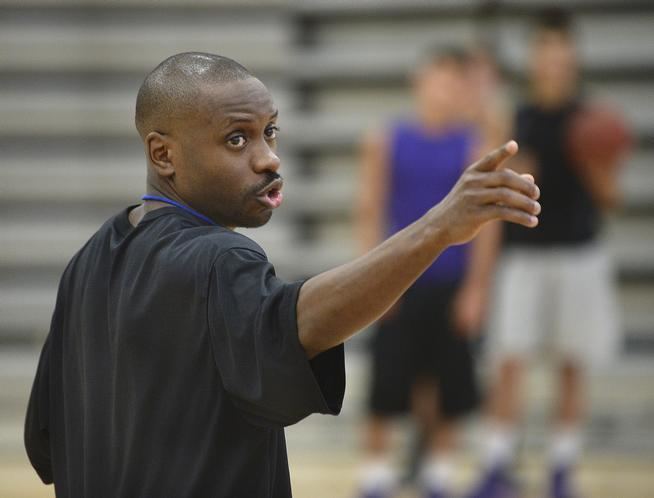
486, 192
469, 309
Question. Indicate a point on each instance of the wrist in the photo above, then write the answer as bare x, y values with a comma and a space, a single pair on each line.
433, 231
436, 228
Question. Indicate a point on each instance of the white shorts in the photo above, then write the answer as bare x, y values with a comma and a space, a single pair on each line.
558, 300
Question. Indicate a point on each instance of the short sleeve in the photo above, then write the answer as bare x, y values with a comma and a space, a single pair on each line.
37, 434
263, 367
37, 429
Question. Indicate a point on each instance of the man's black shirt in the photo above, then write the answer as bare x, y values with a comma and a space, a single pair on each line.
569, 215
171, 367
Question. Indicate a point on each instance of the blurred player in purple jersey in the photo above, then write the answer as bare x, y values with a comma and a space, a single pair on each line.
421, 358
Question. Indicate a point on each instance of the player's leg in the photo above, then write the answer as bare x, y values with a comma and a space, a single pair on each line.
377, 435
585, 338
438, 434
504, 405
391, 379
454, 395
514, 334
377, 476
424, 408
565, 440
438, 469
425, 412
570, 405
499, 432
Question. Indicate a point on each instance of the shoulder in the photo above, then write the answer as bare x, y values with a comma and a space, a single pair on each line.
223, 241
376, 139
92, 252
196, 252
184, 248
102, 238
381, 137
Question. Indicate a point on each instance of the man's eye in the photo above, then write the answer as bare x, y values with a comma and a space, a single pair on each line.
237, 141
271, 132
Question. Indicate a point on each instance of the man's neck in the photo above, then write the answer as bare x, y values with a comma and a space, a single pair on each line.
433, 122
549, 98
136, 215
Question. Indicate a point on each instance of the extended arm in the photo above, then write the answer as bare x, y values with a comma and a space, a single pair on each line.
336, 304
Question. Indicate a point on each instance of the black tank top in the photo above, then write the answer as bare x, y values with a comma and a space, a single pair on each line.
569, 215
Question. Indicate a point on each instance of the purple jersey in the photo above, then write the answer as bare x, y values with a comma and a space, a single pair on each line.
424, 167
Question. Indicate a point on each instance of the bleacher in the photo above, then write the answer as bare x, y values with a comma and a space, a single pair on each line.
70, 70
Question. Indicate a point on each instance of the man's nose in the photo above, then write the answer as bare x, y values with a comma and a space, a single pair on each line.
266, 160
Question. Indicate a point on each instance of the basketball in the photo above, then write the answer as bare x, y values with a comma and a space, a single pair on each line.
598, 137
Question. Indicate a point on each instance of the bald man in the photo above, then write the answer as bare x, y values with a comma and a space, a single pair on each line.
175, 356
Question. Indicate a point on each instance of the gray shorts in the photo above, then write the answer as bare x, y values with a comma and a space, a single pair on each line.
560, 301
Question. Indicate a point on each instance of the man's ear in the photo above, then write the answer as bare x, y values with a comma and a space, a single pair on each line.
158, 150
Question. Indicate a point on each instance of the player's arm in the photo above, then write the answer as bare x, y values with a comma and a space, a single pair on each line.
471, 301
373, 189
336, 304
603, 185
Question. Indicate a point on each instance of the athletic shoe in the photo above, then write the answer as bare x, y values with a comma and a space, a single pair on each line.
496, 483
375, 494
437, 493
561, 483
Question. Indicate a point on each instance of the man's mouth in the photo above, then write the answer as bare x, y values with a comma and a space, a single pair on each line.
271, 196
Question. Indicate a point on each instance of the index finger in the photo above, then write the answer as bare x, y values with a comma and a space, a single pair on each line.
493, 159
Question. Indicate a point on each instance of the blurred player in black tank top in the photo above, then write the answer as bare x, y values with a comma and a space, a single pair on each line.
554, 282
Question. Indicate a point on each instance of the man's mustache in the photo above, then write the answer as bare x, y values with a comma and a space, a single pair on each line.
270, 177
